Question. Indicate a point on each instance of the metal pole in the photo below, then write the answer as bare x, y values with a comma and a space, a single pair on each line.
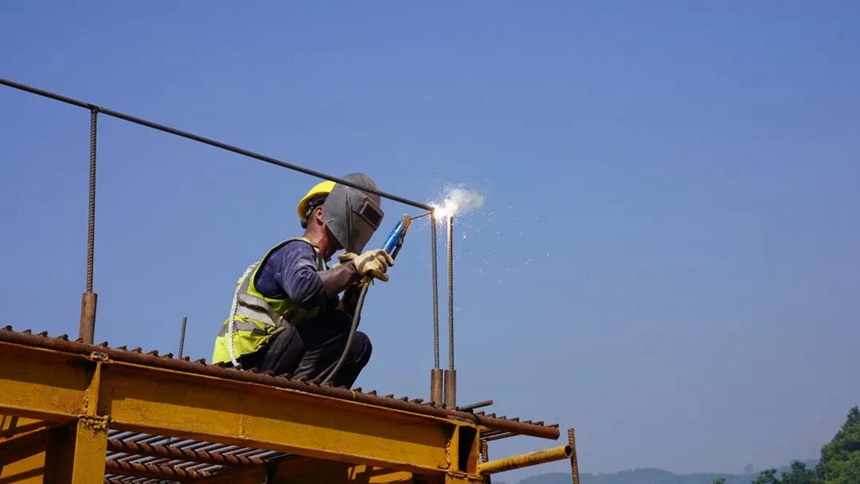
436, 382
89, 300
451, 373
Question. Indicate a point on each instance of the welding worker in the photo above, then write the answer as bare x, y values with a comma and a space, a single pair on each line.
287, 316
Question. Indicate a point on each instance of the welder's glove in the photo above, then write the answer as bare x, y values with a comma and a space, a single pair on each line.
373, 263
344, 258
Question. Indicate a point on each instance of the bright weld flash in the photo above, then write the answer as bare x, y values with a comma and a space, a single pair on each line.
445, 211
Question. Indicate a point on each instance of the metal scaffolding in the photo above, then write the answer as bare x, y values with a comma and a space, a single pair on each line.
82, 413
75, 412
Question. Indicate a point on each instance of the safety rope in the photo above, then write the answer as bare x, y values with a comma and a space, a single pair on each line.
231, 325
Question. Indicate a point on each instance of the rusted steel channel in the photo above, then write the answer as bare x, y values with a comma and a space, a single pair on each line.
201, 368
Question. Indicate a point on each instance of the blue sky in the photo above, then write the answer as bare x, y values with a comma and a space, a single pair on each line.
667, 259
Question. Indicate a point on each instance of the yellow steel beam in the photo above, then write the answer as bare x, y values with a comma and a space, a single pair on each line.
252, 415
49, 389
375, 475
60, 386
332, 473
90, 441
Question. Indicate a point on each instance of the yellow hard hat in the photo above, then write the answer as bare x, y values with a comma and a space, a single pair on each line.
320, 189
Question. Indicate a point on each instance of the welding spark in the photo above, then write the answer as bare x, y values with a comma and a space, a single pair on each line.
458, 201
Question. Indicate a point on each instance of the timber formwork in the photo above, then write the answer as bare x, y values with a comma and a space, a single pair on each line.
79, 413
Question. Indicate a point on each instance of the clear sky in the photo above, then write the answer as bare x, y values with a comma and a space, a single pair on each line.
667, 258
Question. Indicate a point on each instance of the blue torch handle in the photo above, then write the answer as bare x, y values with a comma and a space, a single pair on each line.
395, 239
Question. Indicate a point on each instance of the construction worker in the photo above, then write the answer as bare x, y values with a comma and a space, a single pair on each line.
287, 316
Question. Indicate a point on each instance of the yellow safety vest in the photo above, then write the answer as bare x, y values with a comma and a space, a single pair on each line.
255, 318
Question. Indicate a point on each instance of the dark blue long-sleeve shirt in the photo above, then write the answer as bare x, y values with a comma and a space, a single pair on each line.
291, 272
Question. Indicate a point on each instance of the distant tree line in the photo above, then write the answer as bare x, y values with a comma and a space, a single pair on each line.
839, 464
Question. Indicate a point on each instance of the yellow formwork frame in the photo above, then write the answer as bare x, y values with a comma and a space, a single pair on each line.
88, 394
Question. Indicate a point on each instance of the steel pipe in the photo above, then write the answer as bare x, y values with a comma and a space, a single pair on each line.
525, 460
450, 388
437, 396
87, 326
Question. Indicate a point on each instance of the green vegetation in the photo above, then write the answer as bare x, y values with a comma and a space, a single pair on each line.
840, 459
839, 464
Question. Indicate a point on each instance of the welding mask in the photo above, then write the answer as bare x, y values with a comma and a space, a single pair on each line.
353, 215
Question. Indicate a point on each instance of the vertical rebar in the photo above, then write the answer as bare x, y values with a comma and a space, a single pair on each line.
91, 226
434, 269
182, 336
89, 300
436, 382
450, 374
451, 292
574, 465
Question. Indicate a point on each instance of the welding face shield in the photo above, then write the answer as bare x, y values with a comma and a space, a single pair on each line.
353, 215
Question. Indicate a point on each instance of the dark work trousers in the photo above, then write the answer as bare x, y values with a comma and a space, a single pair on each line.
314, 347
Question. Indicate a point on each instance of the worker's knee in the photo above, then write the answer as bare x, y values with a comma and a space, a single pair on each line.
363, 347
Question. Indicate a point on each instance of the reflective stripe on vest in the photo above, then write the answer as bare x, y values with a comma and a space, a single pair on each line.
257, 318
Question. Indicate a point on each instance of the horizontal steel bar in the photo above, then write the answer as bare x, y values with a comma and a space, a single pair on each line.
525, 460
472, 406
498, 436
207, 141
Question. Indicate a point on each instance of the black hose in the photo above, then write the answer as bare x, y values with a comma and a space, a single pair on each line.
355, 318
